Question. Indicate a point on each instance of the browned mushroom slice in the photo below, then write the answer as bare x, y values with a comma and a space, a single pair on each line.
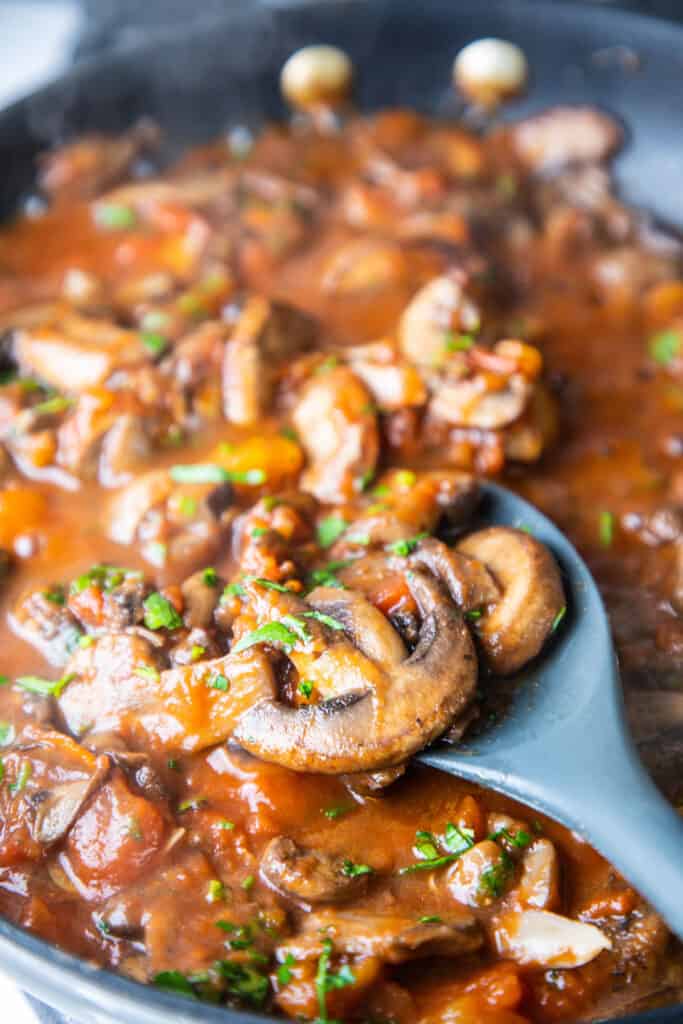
338, 428
309, 876
266, 335
565, 135
387, 707
515, 629
46, 624
469, 582
392, 937
58, 810
438, 309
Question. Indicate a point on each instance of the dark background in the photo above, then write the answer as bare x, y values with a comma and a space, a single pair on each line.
112, 23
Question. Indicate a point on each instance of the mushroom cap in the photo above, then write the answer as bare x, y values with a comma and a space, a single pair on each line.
318, 75
394, 705
515, 628
490, 70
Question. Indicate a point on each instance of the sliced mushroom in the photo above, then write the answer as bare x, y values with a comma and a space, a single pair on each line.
388, 707
539, 882
392, 937
59, 809
309, 876
338, 428
542, 939
565, 135
440, 307
513, 632
468, 581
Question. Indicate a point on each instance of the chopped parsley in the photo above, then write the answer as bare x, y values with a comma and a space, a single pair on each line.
232, 590
55, 594
336, 811
86, 641
187, 506
406, 546
259, 531
192, 804
146, 672
275, 633
327, 576
326, 620
45, 687
327, 364
305, 688
216, 891
457, 342
22, 778
606, 528
455, 840
210, 577
248, 883
6, 733
220, 682
173, 764
473, 614
430, 919
289, 433
153, 342
493, 880
268, 584
558, 618
666, 346
362, 539
104, 577
351, 870
160, 613
330, 529
196, 652
244, 982
284, 974
326, 980
519, 839
114, 216
227, 825
202, 473
174, 981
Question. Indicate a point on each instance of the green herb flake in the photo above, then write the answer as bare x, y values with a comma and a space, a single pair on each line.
215, 892
244, 982
232, 590
259, 531
187, 507
173, 764
298, 627
284, 973
146, 672
160, 613
2, 769
196, 652
457, 342
335, 812
305, 688
114, 217
227, 825
268, 584
666, 346
431, 919
174, 981
248, 883
55, 595
330, 529
326, 980
22, 778
220, 682
520, 839
103, 926
274, 633
473, 614
325, 620
458, 839
558, 618
289, 433
210, 577
351, 870
153, 342
86, 641
194, 803
45, 687
6, 733
327, 576
406, 546
493, 881
327, 364
53, 406
200, 473
606, 528
134, 830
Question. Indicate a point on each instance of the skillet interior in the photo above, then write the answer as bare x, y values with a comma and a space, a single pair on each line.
194, 84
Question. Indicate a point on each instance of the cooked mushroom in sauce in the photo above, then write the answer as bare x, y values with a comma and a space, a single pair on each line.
244, 408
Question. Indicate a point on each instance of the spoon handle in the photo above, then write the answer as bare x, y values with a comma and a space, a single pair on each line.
610, 799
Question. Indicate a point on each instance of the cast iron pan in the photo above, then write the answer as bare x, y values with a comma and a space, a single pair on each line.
196, 83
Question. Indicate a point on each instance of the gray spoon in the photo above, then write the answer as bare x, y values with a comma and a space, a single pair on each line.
564, 748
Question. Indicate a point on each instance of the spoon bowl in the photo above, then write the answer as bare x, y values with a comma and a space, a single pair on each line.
563, 747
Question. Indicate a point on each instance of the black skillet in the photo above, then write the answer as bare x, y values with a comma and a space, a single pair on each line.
197, 82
